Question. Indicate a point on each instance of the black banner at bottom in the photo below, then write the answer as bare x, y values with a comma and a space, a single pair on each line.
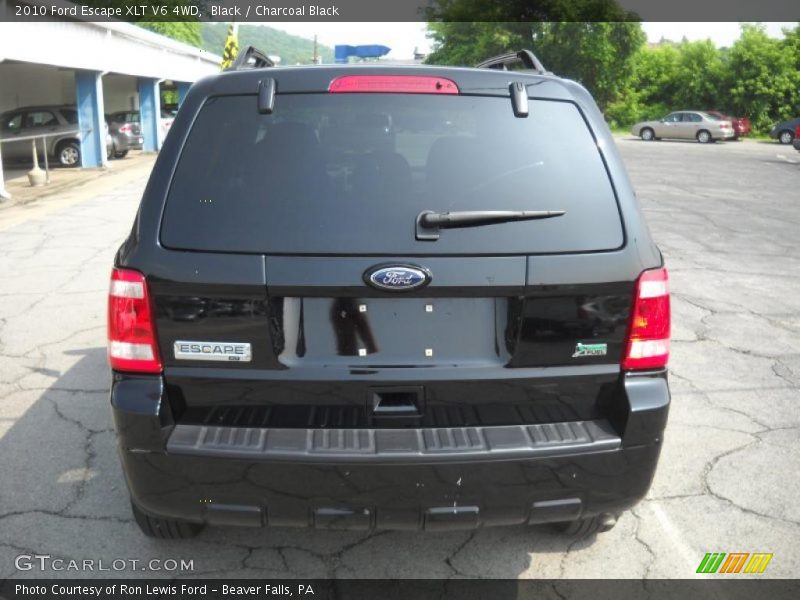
720, 587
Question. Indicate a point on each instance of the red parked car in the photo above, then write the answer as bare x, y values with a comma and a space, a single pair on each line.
741, 125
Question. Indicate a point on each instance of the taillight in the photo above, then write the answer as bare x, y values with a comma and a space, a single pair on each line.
125, 128
648, 330
131, 327
392, 84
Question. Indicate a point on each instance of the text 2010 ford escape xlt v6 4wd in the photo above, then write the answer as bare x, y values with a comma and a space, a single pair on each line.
388, 297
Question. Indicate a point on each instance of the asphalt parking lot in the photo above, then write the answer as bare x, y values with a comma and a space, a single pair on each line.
727, 217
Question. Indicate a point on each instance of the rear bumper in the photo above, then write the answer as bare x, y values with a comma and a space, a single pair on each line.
128, 142
136, 143
444, 478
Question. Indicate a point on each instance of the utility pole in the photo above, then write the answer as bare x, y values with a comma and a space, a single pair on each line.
315, 59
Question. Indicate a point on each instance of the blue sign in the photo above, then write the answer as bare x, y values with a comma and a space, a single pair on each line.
341, 52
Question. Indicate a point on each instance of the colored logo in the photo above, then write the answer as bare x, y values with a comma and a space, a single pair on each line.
590, 350
397, 278
734, 562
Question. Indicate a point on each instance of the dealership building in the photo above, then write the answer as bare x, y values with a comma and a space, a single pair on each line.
99, 68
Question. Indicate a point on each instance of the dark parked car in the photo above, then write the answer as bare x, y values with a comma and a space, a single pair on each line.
125, 132
363, 296
59, 125
741, 125
784, 131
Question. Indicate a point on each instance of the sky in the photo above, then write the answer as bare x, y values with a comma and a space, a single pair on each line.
402, 38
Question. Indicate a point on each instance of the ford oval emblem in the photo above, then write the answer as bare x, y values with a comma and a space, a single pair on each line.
397, 278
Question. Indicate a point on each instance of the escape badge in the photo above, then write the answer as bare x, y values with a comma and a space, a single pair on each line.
221, 351
589, 350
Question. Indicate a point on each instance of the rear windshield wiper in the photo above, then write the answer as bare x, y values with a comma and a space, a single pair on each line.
429, 223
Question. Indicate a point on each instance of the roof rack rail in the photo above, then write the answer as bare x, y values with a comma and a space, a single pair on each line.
250, 58
501, 62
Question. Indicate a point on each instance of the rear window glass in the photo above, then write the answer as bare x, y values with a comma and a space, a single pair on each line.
70, 116
349, 173
125, 117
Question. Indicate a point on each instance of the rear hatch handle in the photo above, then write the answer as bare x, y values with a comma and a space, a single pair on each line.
429, 223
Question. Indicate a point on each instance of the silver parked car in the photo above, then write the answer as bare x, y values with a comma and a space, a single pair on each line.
58, 123
126, 132
686, 125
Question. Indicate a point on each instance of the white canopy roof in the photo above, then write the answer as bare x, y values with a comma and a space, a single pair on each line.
114, 47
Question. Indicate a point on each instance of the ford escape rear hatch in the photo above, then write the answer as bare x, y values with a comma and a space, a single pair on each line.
388, 279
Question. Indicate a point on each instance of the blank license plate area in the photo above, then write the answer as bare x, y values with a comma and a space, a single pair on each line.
394, 331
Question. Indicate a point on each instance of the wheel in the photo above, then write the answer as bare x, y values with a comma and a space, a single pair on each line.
120, 154
704, 137
586, 527
164, 529
785, 137
647, 134
736, 138
69, 154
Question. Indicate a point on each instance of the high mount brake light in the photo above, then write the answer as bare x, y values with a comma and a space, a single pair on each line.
648, 330
131, 327
392, 84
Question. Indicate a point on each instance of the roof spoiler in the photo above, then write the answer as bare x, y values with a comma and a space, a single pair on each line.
250, 58
501, 62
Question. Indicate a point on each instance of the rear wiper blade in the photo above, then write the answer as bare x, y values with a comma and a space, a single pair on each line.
429, 223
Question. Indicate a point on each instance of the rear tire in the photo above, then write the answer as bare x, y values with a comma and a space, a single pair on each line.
583, 528
164, 529
647, 134
785, 137
120, 154
704, 137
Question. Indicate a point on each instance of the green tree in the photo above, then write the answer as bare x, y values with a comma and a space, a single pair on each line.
648, 92
596, 54
698, 76
174, 23
523, 11
467, 43
467, 31
187, 31
757, 77
762, 76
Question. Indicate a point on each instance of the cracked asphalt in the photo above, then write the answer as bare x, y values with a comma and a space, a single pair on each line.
727, 218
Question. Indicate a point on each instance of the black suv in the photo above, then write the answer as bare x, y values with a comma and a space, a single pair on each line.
388, 297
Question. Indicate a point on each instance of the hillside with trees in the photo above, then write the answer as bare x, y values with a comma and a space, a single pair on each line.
211, 37
291, 48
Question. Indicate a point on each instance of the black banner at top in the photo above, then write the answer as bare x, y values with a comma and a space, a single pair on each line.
254, 11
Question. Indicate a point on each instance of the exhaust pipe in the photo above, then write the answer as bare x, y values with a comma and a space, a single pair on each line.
607, 522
